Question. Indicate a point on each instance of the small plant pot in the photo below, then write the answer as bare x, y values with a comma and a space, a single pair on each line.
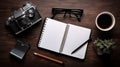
103, 47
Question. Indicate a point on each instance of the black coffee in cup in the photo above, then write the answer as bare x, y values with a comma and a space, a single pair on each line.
104, 21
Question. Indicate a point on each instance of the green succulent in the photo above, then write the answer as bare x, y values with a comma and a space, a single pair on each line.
104, 46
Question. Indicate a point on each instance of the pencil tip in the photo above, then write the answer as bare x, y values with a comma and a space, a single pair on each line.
34, 53
72, 52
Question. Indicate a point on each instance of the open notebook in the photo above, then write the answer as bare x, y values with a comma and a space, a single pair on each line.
64, 38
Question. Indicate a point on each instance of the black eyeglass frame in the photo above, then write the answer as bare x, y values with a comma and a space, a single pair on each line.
77, 12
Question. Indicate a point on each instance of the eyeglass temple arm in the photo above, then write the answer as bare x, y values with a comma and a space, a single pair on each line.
53, 13
79, 15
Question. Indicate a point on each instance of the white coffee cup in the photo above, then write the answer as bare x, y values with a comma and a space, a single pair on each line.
105, 21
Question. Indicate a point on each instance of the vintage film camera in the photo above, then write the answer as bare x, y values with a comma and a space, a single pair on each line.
23, 18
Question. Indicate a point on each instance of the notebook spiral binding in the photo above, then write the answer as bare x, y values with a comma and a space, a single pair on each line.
42, 31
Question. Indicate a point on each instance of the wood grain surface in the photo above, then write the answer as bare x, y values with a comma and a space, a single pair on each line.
91, 9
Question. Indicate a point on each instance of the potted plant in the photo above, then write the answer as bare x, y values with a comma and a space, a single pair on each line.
104, 47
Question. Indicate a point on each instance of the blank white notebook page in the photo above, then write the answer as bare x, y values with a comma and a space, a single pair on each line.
76, 36
52, 35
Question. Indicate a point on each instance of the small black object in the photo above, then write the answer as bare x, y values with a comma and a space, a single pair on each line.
20, 49
81, 45
23, 18
76, 12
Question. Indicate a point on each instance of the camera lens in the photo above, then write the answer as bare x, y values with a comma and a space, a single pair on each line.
31, 13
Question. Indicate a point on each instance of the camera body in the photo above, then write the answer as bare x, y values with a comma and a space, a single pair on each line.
23, 18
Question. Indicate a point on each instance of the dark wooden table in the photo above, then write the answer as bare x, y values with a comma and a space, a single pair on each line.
91, 9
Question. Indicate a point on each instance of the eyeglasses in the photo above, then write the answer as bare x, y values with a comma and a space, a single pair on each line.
61, 12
